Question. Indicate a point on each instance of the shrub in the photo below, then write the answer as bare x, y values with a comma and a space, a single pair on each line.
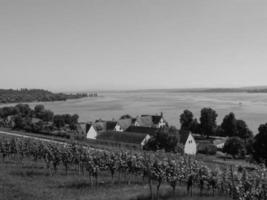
207, 148
235, 147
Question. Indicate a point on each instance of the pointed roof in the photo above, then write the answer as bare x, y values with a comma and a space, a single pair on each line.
149, 120
142, 130
125, 123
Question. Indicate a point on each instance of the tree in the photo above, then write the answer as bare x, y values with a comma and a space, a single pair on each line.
229, 125
162, 140
260, 144
19, 122
186, 120
59, 121
39, 109
195, 127
243, 130
24, 110
235, 147
208, 121
47, 115
74, 119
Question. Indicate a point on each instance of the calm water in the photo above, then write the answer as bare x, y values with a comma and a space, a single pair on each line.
250, 107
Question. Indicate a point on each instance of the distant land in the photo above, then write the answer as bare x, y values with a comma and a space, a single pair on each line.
256, 89
33, 95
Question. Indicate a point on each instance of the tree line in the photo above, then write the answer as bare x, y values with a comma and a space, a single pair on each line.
241, 141
38, 120
32, 95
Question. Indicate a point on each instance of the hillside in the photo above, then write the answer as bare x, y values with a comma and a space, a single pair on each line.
31, 95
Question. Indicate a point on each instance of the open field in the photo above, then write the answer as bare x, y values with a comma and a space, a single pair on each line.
31, 181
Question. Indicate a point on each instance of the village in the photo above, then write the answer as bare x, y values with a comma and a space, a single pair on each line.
139, 130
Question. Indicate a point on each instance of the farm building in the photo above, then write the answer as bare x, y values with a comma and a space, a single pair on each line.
91, 132
155, 121
190, 145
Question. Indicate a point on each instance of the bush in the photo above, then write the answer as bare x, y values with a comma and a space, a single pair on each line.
207, 148
235, 147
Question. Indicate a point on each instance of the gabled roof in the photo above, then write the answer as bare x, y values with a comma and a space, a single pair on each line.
142, 130
145, 121
148, 120
125, 123
133, 138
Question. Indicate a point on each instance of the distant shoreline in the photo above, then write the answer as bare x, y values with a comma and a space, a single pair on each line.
197, 90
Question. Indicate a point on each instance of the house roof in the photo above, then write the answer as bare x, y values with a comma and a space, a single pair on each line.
125, 123
133, 138
142, 130
148, 120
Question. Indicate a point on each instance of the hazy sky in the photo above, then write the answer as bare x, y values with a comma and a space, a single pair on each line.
132, 44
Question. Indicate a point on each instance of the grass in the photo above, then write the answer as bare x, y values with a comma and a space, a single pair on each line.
32, 181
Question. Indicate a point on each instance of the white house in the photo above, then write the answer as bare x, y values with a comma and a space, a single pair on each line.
91, 133
190, 145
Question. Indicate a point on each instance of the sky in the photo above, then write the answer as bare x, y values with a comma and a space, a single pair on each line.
132, 44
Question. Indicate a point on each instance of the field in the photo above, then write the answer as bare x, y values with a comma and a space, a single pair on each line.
34, 169
32, 181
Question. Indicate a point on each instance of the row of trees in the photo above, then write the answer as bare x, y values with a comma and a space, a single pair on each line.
241, 140
207, 124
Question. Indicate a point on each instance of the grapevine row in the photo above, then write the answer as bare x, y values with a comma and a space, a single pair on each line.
154, 168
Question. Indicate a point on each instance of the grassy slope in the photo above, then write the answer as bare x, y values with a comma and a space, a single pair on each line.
31, 181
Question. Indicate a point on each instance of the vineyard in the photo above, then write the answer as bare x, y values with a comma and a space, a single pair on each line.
154, 169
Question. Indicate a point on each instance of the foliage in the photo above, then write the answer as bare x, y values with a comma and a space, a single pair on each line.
163, 140
235, 147
235, 127
38, 120
207, 148
186, 120
31, 95
208, 121
260, 144
229, 125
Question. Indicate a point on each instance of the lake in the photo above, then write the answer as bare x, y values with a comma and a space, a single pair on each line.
251, 107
